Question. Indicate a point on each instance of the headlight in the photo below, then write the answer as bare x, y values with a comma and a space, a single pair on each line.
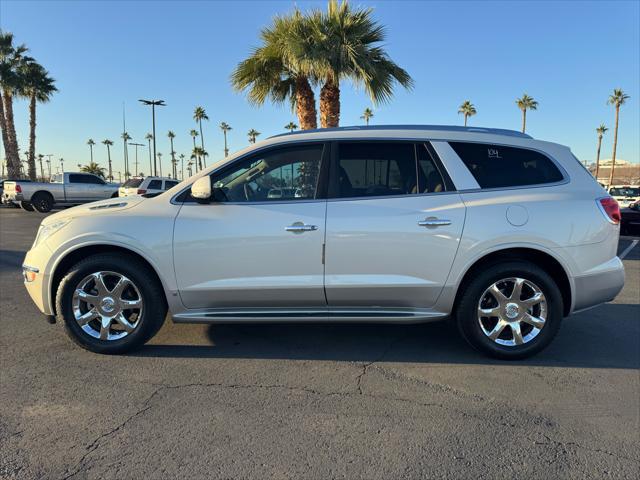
49, 229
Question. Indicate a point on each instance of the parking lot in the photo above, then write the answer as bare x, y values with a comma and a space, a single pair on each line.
315, 401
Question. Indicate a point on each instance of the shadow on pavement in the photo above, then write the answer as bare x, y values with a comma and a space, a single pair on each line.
606, 337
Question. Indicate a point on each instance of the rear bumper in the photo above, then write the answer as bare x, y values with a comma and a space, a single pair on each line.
599, 287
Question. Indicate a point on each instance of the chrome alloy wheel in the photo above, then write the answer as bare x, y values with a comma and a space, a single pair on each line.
107, 305
512, 311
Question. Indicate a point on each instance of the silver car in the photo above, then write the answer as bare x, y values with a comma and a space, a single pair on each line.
503, 234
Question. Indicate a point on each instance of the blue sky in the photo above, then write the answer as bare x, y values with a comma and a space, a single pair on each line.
568, 55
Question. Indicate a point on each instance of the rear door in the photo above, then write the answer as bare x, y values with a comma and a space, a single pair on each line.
394, 223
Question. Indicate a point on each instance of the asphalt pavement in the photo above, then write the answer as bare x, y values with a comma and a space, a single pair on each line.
315, 401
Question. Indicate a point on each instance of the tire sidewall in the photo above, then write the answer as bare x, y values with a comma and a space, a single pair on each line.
153, 312
467, 319
47, 204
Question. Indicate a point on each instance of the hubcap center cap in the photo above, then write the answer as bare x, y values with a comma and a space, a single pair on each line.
512, 311
108, 305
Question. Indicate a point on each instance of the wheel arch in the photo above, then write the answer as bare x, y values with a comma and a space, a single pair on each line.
74, 256
540, 258
43, 192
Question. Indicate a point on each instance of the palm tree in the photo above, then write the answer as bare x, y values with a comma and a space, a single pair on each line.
225, 128
367, 115
148, 137
347, 46
94, 168
37, 86
160, 162
617, 99
278, 69
91, 143
290, 126
197, 154
253, 134
40, 157
12, 58
125, 138
171, 136
199, 114
468, 109
108, 143
194, 134
189, 164
182, 166
601, 130
526, 103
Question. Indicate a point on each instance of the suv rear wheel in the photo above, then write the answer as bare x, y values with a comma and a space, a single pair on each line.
110, 303
511, 310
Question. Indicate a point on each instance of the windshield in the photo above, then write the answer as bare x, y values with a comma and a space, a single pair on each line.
625, 191
133, 182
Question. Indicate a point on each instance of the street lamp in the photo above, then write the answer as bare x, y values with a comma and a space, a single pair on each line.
154, 103
137, 145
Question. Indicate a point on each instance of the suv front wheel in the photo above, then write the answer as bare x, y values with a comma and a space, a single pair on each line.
511, 310
110, 303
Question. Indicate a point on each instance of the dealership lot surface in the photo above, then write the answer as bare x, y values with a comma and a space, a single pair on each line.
321, 401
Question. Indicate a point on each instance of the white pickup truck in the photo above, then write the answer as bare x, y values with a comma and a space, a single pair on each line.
66, 189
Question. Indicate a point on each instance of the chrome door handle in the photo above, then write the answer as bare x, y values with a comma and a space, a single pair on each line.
434, 222
300, 227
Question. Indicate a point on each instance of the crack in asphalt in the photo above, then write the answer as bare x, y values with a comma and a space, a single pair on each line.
366, 366
557, 443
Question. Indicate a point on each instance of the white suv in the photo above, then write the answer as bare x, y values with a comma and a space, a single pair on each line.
504, 234
146, 186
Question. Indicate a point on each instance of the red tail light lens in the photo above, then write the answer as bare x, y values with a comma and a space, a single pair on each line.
141, 191
610, 208
18, 188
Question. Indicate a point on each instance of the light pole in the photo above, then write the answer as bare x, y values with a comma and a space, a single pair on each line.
62, 164
154, 103
137, 145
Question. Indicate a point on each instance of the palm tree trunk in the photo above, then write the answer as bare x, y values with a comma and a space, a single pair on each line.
598, 156
330, 105
615, 145
465, 119
194, 147
109, 159
524, 119
91, 152
306, 105
5, 138
32, 138
226, 150
202, 140
13, 166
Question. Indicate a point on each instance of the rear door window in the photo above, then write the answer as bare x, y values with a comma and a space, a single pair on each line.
155, 185
132, 183
375, 169
497, 166
169, 184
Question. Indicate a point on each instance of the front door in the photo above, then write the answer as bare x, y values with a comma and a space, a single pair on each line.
259, 245
393, 226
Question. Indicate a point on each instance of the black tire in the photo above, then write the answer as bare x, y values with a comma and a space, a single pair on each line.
151, 292
42, 202
26, 206
115, 195
466, 312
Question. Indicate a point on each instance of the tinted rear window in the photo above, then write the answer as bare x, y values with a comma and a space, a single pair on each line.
495, 166
155, 185
133, 182
169, 184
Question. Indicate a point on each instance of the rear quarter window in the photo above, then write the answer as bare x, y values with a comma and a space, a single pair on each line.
496, 166
155, 185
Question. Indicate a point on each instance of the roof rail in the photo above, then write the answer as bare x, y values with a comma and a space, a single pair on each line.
440, 128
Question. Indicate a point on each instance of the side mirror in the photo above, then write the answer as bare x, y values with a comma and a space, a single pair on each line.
201, 190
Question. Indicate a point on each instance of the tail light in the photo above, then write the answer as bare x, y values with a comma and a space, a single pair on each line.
18, 188
610, 208
141, 191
